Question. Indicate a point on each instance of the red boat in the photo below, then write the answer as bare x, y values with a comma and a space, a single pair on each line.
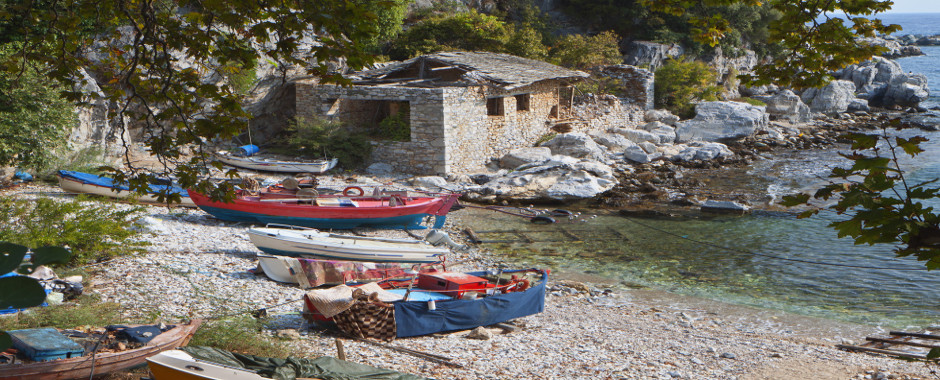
391, 210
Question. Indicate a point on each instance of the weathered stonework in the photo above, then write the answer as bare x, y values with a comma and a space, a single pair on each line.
463, 109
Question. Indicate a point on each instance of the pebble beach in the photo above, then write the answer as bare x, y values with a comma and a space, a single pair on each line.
200, 267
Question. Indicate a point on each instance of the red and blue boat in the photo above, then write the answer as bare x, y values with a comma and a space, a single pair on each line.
332, 211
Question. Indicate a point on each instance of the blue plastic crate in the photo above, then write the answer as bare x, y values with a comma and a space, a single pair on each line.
45, 344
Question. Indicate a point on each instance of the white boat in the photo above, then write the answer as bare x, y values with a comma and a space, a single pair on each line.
270, 165
85, 183
179, 365
311, 243
311, 273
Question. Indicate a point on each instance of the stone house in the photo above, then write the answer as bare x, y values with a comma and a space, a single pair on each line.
461, 109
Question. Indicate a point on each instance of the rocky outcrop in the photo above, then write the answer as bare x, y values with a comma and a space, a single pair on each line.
785, 105
883, 83
635, 82
665, 133
716, 121
662, 116
650, 54
575, 144
834, 98
893, 48
523, 156
560, 178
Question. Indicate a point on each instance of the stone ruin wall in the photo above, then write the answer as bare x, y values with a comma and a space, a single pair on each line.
474, 138
450, 129
424, 154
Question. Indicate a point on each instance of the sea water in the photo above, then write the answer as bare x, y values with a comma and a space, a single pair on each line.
770, 260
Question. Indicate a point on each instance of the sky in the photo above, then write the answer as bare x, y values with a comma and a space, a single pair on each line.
916, 6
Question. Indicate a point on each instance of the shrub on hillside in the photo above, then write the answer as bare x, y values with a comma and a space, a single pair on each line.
467, 31
320, 138
581, 52
681, 83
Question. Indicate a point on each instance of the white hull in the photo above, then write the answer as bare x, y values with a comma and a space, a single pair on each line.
78, 187
179, 365
265, 165
321, 245
277, 268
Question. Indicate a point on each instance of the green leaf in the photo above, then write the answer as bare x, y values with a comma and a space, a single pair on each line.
20, 292
933, 354
11, 256
6, 341
795, 199
50, 255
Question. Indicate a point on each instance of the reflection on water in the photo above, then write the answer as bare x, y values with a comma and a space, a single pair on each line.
721, 258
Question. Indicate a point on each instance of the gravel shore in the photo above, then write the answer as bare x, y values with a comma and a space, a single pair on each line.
198, 266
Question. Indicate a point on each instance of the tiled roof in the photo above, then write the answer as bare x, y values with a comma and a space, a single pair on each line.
500, 70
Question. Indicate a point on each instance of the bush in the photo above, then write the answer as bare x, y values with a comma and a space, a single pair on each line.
86, 310
581, 52
395, 127
467, 31
318, 137
34, 118
93, 233
680, 84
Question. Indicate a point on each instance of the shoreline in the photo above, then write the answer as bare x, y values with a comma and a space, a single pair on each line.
198, 266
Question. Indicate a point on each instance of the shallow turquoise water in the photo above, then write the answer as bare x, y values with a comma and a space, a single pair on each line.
720, 258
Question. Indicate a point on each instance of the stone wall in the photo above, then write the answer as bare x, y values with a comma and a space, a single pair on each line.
475, 137
451, 128
637, 84
424, 154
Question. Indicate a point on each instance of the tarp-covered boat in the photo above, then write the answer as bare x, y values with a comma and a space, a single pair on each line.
207, 363
83, 367
331, 212
86, 183
311, 273
325, 245
437, 302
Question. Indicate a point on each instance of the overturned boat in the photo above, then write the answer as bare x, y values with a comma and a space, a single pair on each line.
86, 183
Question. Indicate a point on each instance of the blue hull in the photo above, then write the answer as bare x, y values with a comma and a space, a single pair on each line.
408, 222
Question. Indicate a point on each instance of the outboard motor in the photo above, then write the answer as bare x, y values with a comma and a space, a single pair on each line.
438, 237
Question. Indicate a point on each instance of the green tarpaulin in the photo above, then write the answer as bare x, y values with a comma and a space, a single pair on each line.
325, 367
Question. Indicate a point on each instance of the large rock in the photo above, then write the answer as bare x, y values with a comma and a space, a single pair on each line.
612, 141
906, 91
699, 151
522, 156
560, 178
715, 121
786, 105
639, 155
666, 133
834, 98
575, 144
662, 116
635, 135
650, 54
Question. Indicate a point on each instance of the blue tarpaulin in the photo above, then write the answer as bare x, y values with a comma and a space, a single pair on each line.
10, 309
414, 317
108, 182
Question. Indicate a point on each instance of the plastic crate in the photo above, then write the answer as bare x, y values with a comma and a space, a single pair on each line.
45, 344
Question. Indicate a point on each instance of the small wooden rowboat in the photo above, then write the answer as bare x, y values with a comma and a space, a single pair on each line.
84, 367
85, 183
311, 243
331, 212
270, 165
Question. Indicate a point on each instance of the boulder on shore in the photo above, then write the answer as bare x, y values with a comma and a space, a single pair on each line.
522, 156
834, 98
559, 178
575, 144
716, 121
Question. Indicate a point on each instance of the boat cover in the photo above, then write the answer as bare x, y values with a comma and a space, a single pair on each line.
416, 318
108, 182
324, 367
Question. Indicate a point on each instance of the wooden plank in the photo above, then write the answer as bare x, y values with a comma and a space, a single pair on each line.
902, 342
916, 335
880, 351
472, 235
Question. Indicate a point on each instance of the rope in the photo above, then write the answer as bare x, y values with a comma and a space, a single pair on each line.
713, 245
